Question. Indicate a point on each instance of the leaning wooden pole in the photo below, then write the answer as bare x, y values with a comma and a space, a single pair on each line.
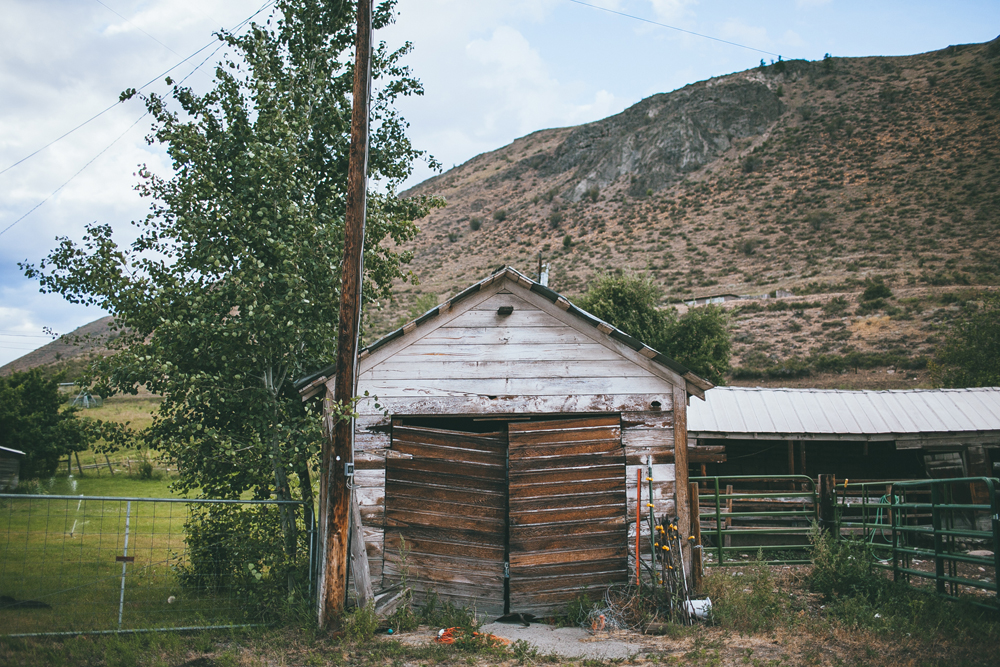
338, 452
681, 476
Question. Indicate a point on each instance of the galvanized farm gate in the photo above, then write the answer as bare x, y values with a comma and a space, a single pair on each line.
743, 514
94, 565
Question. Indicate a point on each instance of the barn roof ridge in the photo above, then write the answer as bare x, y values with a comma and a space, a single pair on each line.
312, 380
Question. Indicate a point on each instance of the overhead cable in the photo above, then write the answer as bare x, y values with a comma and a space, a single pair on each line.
672, 27
32, 210
145, 85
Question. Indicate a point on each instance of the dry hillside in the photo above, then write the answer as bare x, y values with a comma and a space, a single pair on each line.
813, 177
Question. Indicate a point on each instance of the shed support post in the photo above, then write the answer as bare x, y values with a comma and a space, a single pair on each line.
696, 550
681, 502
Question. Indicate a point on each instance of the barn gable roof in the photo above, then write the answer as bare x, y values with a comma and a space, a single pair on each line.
507, 277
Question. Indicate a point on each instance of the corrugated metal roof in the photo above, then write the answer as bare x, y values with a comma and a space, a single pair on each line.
734, 411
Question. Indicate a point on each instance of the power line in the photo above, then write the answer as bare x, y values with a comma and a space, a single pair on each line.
197, 67
19, 335
145, 85
137, 27
672, 27
33, 208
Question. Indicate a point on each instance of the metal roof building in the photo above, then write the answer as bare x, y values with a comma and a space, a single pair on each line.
911, 417
964, 422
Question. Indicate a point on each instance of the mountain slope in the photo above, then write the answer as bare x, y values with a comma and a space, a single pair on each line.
813, 177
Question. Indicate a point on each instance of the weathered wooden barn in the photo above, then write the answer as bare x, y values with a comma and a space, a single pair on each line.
10, 466
857, 435
498, 452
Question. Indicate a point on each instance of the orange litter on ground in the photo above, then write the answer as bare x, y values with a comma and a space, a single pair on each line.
448, 635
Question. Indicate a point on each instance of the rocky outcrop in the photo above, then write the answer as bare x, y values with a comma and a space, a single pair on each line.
655, 142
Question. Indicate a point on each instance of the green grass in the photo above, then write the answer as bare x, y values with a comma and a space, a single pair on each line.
63, 552
136, 410
103, 483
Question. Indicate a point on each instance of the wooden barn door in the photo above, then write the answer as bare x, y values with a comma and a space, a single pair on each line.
448, 504
567, 511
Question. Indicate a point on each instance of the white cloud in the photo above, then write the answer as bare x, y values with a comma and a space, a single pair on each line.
676, 11
524, 96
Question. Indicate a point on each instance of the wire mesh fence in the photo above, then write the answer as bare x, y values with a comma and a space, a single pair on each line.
78, 564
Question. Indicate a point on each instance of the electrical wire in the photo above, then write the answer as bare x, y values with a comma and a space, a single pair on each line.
143, 86
136, 27
671, 27
91, 161
123, 133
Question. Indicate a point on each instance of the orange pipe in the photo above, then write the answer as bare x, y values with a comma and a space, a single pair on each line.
638, 522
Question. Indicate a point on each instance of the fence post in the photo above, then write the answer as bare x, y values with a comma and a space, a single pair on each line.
828, 504
696, 565
938, 541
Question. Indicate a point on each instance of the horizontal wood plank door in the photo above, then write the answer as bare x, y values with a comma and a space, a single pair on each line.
448, 506
567, 511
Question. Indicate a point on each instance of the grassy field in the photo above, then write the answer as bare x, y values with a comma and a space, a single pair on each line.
61, 559
64, 557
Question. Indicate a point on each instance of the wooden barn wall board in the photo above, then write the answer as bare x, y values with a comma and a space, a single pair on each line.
492, 405
597, 336
450, 494
559, 530
393, 347
503, 336
421, 369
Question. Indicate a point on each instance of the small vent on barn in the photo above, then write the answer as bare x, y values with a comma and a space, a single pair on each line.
504, 311
655, 405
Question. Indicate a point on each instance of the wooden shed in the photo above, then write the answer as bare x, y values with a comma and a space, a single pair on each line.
497, 455
10, 467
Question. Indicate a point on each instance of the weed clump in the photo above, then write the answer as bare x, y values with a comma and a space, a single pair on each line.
747, 600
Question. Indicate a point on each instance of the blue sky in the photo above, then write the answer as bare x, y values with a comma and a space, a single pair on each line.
493, 71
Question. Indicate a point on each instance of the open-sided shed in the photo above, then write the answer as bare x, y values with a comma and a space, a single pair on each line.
859, 435
497, 454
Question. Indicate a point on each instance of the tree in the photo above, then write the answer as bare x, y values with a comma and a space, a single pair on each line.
700, 339
970, 355
32, 422
231, 289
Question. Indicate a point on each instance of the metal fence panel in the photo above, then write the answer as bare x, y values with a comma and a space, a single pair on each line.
77, 564
740, 518
934, 522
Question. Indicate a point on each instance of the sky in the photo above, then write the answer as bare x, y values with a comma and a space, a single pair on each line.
493, 71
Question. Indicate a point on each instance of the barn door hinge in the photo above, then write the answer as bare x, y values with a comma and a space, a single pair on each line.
506, 570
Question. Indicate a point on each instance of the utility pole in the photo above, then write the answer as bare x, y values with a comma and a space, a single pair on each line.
335, 497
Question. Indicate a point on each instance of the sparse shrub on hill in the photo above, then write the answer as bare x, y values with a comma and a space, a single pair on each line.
875, 288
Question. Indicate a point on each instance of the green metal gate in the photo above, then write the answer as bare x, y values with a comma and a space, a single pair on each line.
740, 519
936, 521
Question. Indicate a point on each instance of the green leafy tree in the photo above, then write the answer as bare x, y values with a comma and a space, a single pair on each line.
231, 289
31, 421
700, 339
970, 355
